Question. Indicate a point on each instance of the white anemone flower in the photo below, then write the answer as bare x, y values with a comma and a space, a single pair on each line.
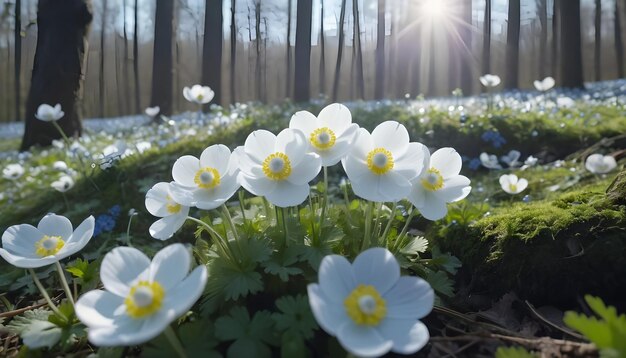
380, 165
60, 166
47, 113
208, 182
439, 184
489, 161
511, 159
368, 306
13, 171
600, 164
545, 84
64, 183
330, 134
489, 80
511, 184
153, 111
198, 94
278, 167
531, 161
159, 203
141, 297
52, 240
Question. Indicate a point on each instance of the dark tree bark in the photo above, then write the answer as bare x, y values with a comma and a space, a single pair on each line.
555, 38
125, 64
511, 80
486, 68
543, 44
212, 48
289, 80
62, 29
455, 46
467, 76
162, 60
136, 57
360, 84
380, 51
597, 58
322, 50
233, 49
257, 44
619, 45
101, 82
18, 59
303, 50
572, 69
342, 19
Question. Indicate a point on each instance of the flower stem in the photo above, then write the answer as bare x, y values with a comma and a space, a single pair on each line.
285, 217
391, 217
175, 342
66, 287
219, 240
323, 215
406, 225
231, 224
368, 225
130, 220
67, 204
80, 159
243, 209
52, 306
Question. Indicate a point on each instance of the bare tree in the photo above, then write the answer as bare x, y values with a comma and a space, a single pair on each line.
360, 84
136, 57
212, 47
289, 81
467, 77
233, 48
125, 63
62, 28
597, 58
380, 51
303, 51
487, 38
511, 80
342, 19
257, 44
619, 46
101, 82
18, 58
555, 37
543, 44
572, 69
322, 51
162, 59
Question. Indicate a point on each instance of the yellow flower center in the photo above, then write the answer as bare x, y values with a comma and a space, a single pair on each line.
49, 245
380, 161
172, 206
513, 187
145, 298
323, 138
433, 180
207, 178
365, 306
277, 166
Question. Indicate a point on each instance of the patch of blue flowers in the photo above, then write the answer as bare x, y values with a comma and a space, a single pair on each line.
494, 137
106, 222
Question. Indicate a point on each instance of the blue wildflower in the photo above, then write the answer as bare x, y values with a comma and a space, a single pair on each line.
474, 164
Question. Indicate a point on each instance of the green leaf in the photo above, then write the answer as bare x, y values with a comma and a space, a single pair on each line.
197, 338
440, 283
250, 336
416, 246
445, 261
513, 352
86, 272
295, 316
35, 329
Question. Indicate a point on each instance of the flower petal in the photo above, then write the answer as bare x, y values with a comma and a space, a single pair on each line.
185, 169
286, 194
121, 267
335, 116
377, 267
21, 239
56, 225
305, 171
410, 298
408, 336
156, 199
328, 314
304, 121
417, 196
433, 208
293, 143
98, 308
216, 156
393, 186
259, 145
336, 278
413, 162
27, 262
454, 189
259, 186
79, 239
362, 341
447, 161
170, 266
180, 298
166, 227
392, 136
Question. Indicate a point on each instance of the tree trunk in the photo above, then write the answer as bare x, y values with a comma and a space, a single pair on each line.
597, 58
257, 42
467, 76
212, 48
233, 49
487, 38
512, 46
101, 82
323, 51
360, 84
303, 50
543, 44
289, 80
380, 51
62, 30
125, 64
572, 69
619, 45
342, 19
555, 37
136, 58
162, 59
18, 59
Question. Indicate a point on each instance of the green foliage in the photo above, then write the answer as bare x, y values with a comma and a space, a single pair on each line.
251, 336
35, 328
607, 331
197, 338
513, 352
295, 316
86, 272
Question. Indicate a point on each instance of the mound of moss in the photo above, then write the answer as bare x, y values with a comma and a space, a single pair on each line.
550, 251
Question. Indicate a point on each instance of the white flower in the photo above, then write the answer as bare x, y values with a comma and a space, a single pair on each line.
512, 185
47, 113
489, 80
153, 111
143, 146
511, 159
13, 171
278, 167
64, 183
565, 102
208, 182
60, 166
530, 161
380, 165
198, 94
439, 184
489, 161
52, 240
545, 84
159, 203
600, 164
330, 134
141, 298
368, 306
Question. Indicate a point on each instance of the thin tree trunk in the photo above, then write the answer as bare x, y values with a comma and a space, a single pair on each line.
467, 76
572, 69
212, 48
303, 51
380, 51
323, 51
432, 68
162, 58
257, 45
598, 41
18, 59
136, 57
512, 46
101, 83
233, 49
487, 38
555, 38
289, 80
58, 68
360, 85
543, 44
619, 45
342, 19
125, 64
